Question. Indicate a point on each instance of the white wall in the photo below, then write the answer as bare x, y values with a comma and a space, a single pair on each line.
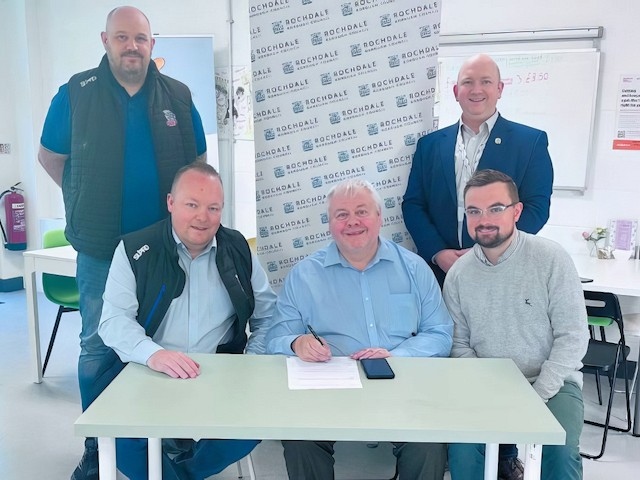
49, 40
15, 120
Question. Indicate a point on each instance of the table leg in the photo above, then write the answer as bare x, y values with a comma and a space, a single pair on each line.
636, 410
107, 458
532, 462
491, 461
32, 317
155, 458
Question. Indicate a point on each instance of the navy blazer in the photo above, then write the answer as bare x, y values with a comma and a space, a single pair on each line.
430, 203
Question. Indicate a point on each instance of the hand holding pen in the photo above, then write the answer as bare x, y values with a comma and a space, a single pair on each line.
311, 348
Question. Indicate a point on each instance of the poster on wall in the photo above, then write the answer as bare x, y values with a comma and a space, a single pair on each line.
241, 114
190, 60
628, 114
340, 90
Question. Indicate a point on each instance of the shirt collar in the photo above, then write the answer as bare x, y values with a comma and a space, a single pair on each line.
479, 253
184, 249
489, 123
334, 257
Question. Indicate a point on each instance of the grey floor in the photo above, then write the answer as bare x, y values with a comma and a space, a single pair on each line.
36, 421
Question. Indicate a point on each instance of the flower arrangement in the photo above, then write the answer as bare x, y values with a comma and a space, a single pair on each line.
599, 233
596, 235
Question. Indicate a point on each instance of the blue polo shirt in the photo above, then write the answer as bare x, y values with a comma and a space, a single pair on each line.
140, 191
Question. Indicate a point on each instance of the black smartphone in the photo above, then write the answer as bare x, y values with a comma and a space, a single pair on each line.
376, 368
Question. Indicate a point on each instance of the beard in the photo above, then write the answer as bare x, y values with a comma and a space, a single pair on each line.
491, 241
132, 73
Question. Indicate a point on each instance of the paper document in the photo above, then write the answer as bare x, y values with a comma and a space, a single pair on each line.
339, 372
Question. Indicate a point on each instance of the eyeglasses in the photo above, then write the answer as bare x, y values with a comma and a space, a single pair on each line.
492, 211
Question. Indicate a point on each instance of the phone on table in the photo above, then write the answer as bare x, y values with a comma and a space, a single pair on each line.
377, 368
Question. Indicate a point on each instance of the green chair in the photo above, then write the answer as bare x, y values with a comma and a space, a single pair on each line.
59, 289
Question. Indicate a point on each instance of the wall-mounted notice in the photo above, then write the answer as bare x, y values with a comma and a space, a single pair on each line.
622, 234
628, 114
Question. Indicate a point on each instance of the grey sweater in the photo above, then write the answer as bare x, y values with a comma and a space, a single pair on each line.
529, 307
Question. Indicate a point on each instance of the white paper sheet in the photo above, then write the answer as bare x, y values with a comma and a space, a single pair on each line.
339, 372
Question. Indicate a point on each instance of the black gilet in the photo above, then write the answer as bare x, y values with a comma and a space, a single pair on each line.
93, 175
152, 253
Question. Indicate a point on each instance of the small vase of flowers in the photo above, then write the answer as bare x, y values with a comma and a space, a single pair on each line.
593, 238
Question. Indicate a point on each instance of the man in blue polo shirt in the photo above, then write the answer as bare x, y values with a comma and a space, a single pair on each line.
113, 139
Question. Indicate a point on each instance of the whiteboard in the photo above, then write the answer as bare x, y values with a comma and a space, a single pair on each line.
553, 90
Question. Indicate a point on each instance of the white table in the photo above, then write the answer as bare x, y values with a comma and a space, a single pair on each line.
246, 397
58, 260
620, 276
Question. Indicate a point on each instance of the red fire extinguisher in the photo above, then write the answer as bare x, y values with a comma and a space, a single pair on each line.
15, 236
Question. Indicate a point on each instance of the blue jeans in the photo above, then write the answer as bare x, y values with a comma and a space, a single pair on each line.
91, 276
559, 462
203, 459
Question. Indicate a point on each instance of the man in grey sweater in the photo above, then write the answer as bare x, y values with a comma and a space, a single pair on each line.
518, 296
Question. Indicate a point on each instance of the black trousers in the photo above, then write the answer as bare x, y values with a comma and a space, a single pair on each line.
308, 460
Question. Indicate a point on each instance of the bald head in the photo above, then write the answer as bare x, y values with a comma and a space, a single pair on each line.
128, 43
478, 90
127, 12
481, 60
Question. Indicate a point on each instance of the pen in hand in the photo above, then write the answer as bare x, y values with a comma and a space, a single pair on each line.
315, 335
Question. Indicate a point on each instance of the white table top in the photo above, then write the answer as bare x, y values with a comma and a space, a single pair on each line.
246, 397
66, 253
620, 275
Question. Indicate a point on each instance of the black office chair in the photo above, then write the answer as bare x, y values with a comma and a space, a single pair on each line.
605, 358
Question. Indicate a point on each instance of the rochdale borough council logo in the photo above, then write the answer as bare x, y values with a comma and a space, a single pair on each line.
307, 145
287, 68
410, 139
343, 156
278, 27
364, 90
269, 134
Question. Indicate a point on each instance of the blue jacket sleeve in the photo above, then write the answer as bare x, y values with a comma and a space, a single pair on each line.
415, 205
536, 187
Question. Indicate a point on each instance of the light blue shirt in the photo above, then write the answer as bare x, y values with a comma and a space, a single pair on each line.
196, 322
394, 303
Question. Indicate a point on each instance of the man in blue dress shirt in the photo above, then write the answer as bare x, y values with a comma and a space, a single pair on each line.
366, 297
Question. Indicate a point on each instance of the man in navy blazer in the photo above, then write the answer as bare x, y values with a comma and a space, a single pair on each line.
433, 204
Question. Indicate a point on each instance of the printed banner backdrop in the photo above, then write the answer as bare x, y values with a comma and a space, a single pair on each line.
340, 90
